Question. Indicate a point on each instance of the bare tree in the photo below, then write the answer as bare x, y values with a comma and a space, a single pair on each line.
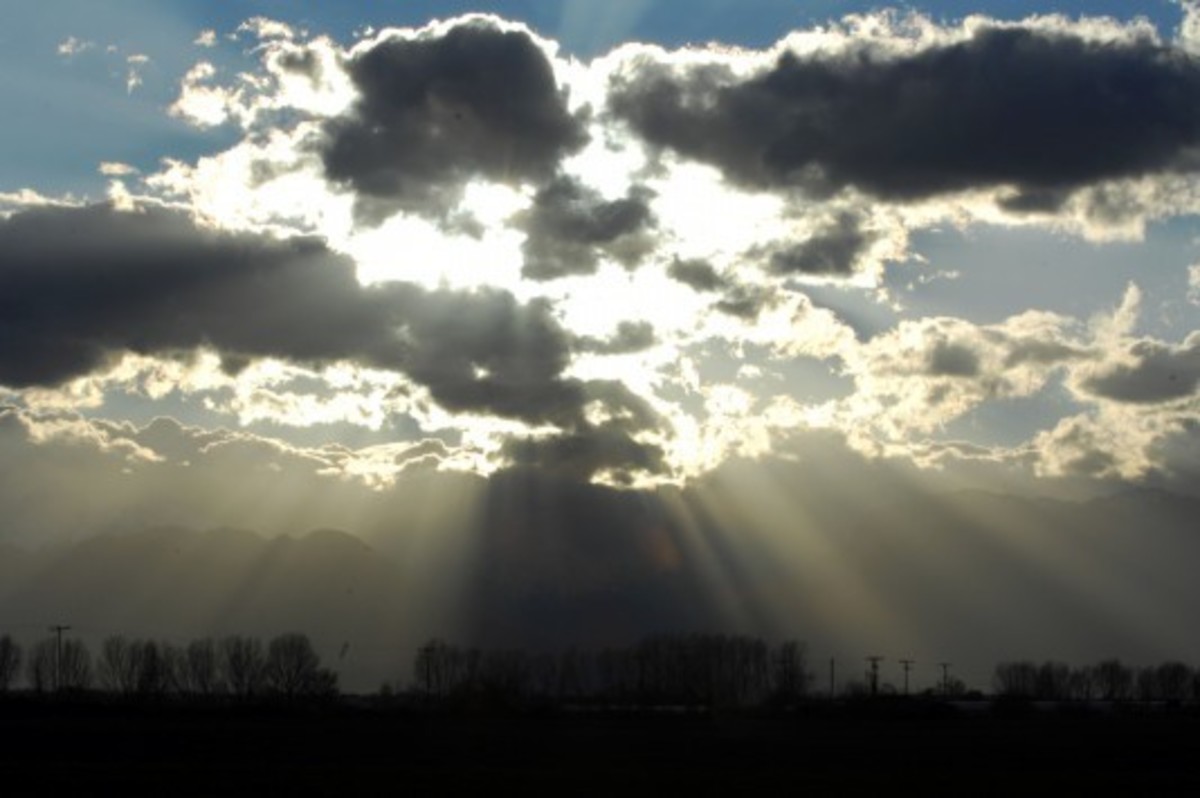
75, 669
790, 676
1173, 681
39, 667
1081, 684
1114, 681
293, 668
242, 664
67, 668
10, 661
151, 667
115, 667
1053, 681
199, 669
1015, 679
432, 667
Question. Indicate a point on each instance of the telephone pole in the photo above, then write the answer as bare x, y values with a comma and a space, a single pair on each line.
874, 673
945, 666
58, 629
907, 665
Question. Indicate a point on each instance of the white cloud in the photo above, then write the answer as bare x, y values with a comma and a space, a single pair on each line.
206, 38
136, 65
264, 29
73, 46
202, 103
117, 169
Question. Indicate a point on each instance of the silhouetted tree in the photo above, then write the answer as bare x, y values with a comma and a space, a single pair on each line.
199, 671
153, 668
115, 668
1114, 681
293, 668
1174, 681
242, 662
75, 669
46, 671
1053, 681
143, 668
39, 667
1015, 679
574, 674
10, 662
505, 675
1081, 684
790, 677
433, 668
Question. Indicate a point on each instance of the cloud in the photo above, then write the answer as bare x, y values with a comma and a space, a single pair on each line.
835, 249
1193, 289
1039, 109
924, 373
630, 336
117, 169
697, 274
744, 302
73, 46
206, 38
1148, 371
569, 225
79, 287
440, 107
264, 28
136, 64
582, 454
201, 103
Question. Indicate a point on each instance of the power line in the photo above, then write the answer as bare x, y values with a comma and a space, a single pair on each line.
874, 673
945, 666
907, 665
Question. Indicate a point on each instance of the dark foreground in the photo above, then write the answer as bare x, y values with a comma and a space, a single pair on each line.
60, 750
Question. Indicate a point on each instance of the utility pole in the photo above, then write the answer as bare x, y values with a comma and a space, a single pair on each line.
907, 665
874, 673
945, 666
57, 630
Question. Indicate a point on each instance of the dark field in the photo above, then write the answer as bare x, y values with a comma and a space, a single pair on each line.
93, 750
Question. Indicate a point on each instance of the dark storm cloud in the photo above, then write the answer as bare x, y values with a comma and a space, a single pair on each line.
630, 336
80, 286
569, 225
1156, 372
436, 111
603, 446
696, 274
740, 301
833, 250
743, 302
1042, 112
587, 451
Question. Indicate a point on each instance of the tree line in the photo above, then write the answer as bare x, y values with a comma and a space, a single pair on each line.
1107, 680
709, 670
682, 670
235, 666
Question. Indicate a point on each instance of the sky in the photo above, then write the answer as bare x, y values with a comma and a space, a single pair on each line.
479, 283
